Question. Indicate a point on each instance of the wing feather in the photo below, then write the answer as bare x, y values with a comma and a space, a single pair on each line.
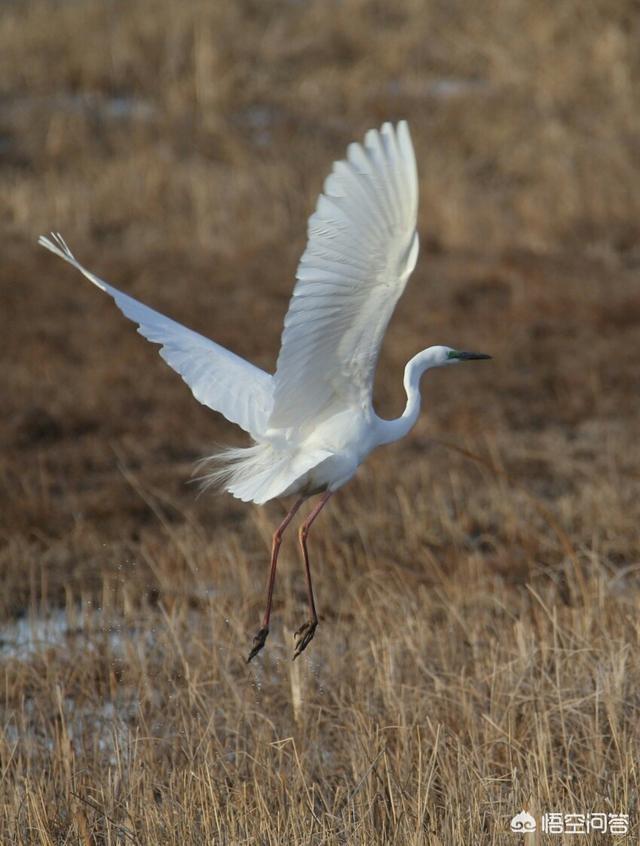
218, 378
362, 246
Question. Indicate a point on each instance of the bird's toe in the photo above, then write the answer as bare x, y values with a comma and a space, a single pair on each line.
258, 642
304, 636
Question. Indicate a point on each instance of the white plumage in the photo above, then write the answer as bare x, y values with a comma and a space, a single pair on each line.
362, 247
361, 250
312, 422
212, 372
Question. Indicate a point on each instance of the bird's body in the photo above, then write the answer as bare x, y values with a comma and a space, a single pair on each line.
341, 443
312, 422
326, 456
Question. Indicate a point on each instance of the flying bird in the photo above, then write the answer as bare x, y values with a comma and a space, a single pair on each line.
312, 422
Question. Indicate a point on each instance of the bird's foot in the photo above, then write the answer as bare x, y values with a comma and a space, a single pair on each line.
258, 642
304, 636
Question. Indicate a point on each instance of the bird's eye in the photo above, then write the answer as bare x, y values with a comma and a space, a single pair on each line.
453, 354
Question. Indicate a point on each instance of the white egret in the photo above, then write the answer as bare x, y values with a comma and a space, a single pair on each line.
312, 422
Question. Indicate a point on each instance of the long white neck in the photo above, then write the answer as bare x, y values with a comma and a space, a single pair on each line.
393, 430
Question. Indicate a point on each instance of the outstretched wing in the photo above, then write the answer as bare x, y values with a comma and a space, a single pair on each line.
217, 377
361, 249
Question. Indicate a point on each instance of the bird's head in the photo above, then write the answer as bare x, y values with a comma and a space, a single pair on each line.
439, 356
435, 357
456, 356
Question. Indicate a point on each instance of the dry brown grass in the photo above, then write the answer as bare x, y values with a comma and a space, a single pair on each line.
479, 583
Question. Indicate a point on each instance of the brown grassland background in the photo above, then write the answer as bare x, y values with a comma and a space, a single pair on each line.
478, 583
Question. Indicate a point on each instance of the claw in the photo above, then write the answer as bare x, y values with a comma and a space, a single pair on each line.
258, 643
304, 636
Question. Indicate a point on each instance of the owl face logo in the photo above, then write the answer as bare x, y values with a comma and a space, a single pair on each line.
523, 822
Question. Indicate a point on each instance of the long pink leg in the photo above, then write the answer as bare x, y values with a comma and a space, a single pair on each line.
307, 630
261, 636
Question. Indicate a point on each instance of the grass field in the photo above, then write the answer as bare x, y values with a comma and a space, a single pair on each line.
478, 583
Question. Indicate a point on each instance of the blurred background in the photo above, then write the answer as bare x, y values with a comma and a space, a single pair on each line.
180, 148
188, 121
177, 117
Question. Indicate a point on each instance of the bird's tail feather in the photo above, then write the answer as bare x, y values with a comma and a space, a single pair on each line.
257, 473
229, 467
